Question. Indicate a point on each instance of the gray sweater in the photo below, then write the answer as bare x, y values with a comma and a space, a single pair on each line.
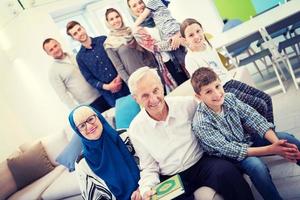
126, 60
69, 84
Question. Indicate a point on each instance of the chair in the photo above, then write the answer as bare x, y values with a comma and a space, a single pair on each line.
292, 20
234, 53
246, 41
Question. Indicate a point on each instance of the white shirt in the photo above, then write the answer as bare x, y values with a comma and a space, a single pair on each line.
69, 84
165, 147
207, 58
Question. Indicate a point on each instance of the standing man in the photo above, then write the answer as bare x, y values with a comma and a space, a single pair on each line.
95, 65
68, 82
162, 137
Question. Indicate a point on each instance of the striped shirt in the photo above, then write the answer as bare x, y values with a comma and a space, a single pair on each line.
223, 135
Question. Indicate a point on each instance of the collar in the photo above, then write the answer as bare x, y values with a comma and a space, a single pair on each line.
153, 123
228, 104
92, 44
63, 60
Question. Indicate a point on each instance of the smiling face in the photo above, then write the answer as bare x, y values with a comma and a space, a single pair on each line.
87, 123
212, 95
194, 37
78, 33
54, 49
115, 20
149, 93
136, 7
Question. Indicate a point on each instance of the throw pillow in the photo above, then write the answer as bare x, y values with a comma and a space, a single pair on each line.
30, 165
126, 110
70, 153
7, 182
54, 144
124, 136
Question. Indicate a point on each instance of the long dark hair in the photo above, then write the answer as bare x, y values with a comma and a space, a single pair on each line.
187, 22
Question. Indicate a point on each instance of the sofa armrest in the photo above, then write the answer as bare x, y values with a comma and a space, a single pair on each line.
35, 189
206, 193
64, 186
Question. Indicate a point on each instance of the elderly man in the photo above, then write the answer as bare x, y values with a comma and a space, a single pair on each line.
162, 137
68, 82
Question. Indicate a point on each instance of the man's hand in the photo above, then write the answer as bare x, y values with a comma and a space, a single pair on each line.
114, 86
176, 41
136, 195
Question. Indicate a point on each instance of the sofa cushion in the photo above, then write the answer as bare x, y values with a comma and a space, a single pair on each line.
7, 182
58, 189
126, 110
35, 189
30, 165
53, 144
70, 153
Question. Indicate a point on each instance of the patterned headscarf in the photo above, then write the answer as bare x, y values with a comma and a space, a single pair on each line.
118, 37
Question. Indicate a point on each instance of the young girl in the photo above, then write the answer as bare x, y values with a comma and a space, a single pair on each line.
201, 54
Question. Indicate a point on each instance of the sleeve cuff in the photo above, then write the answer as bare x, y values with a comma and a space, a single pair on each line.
264, 128
243, 152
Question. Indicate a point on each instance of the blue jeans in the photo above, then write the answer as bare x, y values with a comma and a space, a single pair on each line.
259, 172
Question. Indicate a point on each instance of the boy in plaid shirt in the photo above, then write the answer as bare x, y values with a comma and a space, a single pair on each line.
219, 124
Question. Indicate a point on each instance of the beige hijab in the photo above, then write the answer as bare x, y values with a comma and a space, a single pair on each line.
118, 37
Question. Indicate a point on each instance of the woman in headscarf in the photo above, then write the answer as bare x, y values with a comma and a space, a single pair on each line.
172, 55
107, 170
121, 47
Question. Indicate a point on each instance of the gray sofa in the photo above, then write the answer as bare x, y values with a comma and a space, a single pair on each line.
61, 184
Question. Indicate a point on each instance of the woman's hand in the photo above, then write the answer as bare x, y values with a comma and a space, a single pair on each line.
136, 195
148, 194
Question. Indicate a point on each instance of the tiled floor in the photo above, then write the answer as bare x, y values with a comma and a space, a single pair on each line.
287, 118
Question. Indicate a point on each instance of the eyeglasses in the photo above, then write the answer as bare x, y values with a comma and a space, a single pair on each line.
91, 120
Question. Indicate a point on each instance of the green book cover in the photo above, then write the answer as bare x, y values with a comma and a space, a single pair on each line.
168, 189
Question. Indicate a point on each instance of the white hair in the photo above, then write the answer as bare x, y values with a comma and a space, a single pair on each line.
136, 76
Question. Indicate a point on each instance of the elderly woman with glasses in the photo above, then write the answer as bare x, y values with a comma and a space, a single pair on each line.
106, 170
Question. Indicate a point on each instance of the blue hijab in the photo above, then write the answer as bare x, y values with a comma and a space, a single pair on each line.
109, 158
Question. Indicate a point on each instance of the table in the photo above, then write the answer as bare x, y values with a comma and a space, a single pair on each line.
254, 24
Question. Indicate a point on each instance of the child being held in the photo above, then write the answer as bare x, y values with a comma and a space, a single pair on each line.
219, 123
164, 22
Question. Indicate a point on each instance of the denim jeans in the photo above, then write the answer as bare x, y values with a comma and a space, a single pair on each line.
259, 172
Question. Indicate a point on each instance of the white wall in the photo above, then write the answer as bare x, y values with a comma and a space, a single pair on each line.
204, 11
29, 106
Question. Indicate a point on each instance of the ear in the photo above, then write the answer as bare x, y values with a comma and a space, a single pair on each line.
198, 96
134, 97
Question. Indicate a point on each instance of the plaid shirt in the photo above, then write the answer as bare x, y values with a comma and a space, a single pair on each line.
223, 135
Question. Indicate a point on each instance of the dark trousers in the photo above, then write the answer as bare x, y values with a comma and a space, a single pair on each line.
255, 98
216, 173
178, 75
100, 104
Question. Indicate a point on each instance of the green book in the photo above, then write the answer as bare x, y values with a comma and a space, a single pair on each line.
168, 189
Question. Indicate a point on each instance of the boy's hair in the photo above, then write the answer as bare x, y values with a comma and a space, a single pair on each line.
70, 25
202, 77
187, 22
